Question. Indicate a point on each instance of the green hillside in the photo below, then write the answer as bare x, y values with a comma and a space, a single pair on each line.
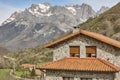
37, 56
107, 23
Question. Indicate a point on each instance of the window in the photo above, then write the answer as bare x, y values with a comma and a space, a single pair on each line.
86, 78
68, 78
90, 51
74, 51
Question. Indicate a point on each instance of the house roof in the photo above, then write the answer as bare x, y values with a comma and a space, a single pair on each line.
28, 65
81, 64
96, 36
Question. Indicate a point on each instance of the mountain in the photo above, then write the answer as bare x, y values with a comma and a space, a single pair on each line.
102, 10
41, 23
107, 23
3, 51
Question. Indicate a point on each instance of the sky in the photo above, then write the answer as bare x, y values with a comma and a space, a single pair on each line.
7, 7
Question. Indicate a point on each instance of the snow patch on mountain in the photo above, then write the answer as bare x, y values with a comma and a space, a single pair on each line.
40, 9
8, 20
12, 17
72, 10
41, 23
36, 13
44, 7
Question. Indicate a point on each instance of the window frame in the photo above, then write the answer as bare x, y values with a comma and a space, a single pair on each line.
74, 54
91, 53
68, 78
85, 78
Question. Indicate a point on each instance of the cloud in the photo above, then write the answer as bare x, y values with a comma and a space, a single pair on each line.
6, 11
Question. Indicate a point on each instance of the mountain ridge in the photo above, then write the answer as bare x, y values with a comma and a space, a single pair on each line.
41, 23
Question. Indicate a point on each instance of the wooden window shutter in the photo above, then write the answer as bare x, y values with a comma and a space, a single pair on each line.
75, 49
91, 49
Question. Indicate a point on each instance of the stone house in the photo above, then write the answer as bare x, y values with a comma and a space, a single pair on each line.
83, 55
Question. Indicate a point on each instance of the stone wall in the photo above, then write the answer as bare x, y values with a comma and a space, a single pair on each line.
58, 75
104, 51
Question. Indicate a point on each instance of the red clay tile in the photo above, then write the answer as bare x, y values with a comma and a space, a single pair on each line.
27, 65
81, 64
97, 36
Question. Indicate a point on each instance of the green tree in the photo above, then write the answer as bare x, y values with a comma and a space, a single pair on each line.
33, 72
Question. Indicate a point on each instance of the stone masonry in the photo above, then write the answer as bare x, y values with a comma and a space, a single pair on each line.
104, 51
58, 75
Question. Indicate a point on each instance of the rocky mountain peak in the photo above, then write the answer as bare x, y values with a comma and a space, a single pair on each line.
77, 6
36, 24
85, 5
87, 10
40, 9
102, 9
12, 17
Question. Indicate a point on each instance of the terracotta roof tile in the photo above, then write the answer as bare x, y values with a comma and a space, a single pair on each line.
27, 65
81, 64
102, 38
97, 36
62, 39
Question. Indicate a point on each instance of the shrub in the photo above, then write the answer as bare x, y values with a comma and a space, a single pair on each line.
33, 72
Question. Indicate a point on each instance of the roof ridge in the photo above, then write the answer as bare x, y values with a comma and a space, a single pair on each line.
94, 35
109, 64
63, 38
79, 64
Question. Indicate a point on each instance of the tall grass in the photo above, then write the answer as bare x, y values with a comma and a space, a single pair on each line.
4, 74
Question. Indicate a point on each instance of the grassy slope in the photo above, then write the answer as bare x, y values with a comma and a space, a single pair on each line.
107, 23
37, 55
22, 73
4, 74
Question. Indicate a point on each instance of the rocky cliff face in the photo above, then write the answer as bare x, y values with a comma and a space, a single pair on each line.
41, 23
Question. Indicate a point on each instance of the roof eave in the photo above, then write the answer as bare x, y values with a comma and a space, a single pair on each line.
113, 71
111, 42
